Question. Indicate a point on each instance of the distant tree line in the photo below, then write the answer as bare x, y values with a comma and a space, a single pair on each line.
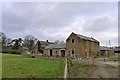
17, 46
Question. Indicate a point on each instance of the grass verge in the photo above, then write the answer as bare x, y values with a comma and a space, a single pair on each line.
115, 59
78, 70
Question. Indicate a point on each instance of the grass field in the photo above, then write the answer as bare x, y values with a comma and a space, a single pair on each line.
0, 66
18, 66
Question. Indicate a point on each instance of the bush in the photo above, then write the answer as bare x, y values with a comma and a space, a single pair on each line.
11, 51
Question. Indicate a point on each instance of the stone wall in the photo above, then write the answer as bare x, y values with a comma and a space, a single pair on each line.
56, 52
82, 47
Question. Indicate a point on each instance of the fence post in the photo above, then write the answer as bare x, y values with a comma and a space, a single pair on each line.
65, 69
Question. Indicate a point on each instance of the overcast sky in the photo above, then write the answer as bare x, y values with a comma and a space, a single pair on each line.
57, 20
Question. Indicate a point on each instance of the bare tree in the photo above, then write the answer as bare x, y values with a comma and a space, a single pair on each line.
3, 39
8, 42
40, 47
30, 43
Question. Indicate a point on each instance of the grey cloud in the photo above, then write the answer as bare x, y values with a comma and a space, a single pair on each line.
48, 20
42, 15
100, 24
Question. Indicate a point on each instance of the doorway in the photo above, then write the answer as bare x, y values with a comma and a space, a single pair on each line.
50, 52
63, 53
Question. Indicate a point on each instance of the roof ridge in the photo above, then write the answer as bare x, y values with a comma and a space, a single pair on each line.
86, 37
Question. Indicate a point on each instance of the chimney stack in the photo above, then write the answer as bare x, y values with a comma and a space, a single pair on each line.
46, 40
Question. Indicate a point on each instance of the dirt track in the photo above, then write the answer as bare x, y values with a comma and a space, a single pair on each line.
108, 69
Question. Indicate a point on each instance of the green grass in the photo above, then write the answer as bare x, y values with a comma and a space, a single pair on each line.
0, 66
77, 70
18, 66
115, 59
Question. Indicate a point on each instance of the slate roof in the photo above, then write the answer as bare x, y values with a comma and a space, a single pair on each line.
61, 45
86, 38
46, 43
83, 37
57, 45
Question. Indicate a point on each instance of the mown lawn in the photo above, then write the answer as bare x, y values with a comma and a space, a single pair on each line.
18, 66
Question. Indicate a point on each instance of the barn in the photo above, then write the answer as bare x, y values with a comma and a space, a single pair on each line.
81, 46
55, 50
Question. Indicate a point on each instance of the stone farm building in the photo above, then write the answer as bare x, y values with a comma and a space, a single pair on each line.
35, 51
76, 46
106, 51
56, 50
81, 46
44, 44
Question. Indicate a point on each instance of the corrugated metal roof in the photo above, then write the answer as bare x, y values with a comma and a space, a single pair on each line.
105, 48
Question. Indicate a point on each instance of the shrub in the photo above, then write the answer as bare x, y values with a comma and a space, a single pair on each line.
11, 51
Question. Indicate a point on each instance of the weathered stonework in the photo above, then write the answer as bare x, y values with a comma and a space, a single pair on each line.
82, 48
76, 46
